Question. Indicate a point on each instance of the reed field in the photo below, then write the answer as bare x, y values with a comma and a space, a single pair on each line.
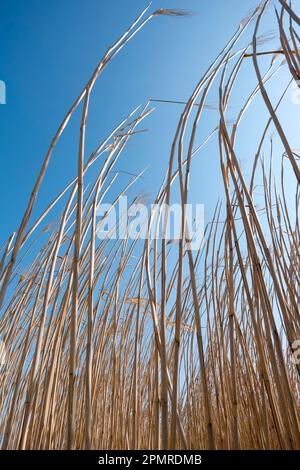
123, 344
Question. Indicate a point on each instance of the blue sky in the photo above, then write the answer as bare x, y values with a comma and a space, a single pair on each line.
48, 51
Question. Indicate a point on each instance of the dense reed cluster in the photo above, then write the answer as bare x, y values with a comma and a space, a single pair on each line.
114, 345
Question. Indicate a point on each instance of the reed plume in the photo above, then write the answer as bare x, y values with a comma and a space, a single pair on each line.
111, 345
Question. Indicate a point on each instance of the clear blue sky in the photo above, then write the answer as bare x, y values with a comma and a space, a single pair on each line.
48, 49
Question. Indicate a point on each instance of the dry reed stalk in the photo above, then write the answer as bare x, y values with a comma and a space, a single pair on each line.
115, 346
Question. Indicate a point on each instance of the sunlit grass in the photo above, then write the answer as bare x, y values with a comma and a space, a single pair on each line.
114, 346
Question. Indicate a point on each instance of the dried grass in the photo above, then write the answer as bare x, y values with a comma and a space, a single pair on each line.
113, 348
